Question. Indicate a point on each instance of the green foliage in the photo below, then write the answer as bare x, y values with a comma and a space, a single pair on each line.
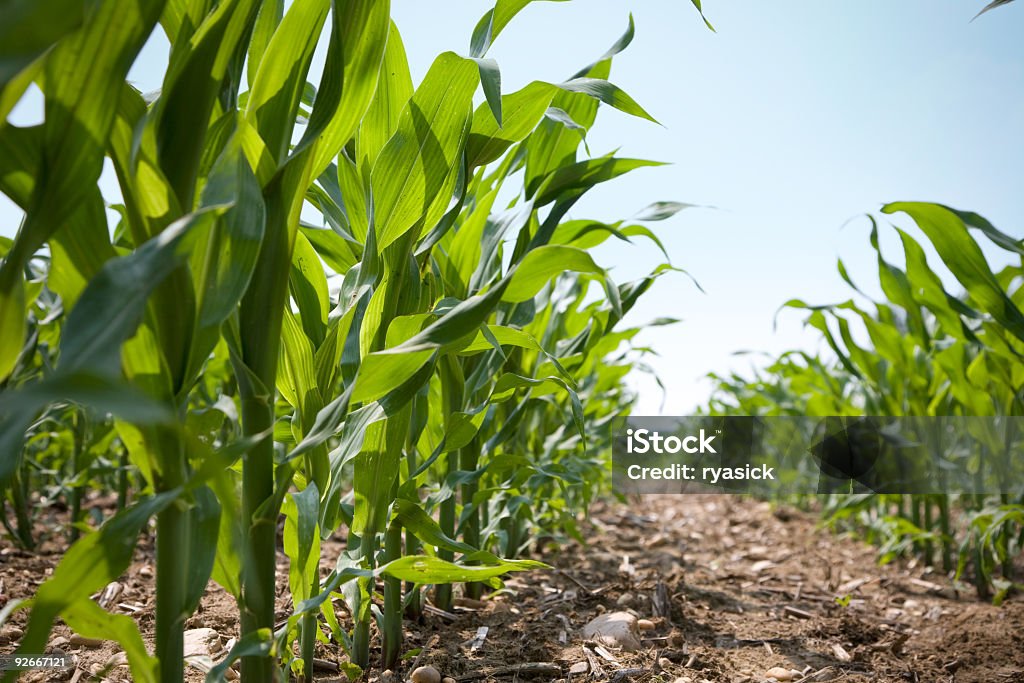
928, 352
432, 371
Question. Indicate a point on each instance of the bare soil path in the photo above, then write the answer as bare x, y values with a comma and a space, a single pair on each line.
735, 590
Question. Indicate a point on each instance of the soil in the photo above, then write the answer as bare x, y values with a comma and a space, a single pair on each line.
734, 588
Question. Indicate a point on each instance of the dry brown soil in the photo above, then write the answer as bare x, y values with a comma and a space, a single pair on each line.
733, 586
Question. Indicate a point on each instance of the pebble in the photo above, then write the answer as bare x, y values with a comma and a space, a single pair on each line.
447, 679
665, 663
116, 660
579, 668
426, 674
615, 629
780, 674
683, 679
387, 676
625, 599
81, 641
645, 624
202, 641
9, 633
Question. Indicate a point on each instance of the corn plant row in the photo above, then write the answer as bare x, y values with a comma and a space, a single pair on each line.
930, 352
429, 371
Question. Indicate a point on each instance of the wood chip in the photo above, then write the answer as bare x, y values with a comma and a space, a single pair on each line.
623, 674
840, 653
325, 665
579, 668
447, 616
603, 653
478, 640
660, 601
927, 585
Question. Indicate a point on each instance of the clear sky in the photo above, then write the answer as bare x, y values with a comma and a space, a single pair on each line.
792, 119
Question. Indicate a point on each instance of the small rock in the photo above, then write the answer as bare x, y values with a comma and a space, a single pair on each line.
645, 624
447, 679
146, 572
81, 641
615, 629
579, 668
683, 679
118, 659
202, 641
11, 632
426, 674
665, 663
781, 675
625, 599
59, 641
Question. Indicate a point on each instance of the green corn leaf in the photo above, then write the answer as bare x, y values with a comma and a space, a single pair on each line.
88, 619
618, 46
308, 285
267, 21
997, 237
949, 235
302, 541
579, 177
415, 163
928, 289
490, 80
231, 249
542, 264
281, 78
659, 211
991, 6
394, 88
696, 3
423, 569
521, 112
608, 93
361, 29
204, 529
494, 22
112, 306
31, 28
190, 89
254, 644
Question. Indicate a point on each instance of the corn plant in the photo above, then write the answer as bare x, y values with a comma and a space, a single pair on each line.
242, 386
931, 352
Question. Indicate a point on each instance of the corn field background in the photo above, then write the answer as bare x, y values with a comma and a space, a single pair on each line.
348, 310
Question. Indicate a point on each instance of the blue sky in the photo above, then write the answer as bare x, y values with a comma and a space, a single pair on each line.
793, 119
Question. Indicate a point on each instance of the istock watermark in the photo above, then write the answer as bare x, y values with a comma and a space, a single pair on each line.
840, 454
645, 441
